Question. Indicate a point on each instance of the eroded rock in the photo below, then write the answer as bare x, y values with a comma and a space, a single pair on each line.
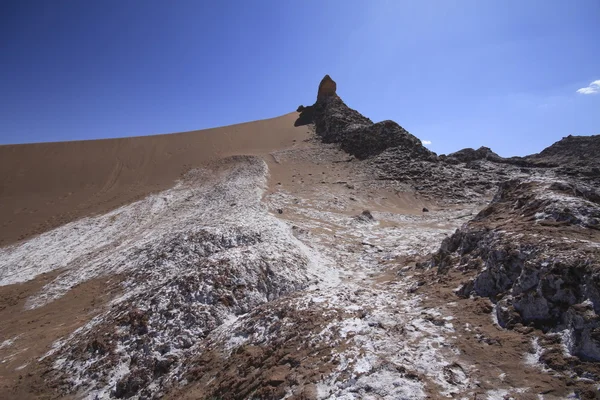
541, 267
327, 88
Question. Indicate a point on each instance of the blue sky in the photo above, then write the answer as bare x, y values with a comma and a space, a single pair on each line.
469, 73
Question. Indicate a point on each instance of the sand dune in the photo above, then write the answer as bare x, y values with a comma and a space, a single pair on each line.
45, 185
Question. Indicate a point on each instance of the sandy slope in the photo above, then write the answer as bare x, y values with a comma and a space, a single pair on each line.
45, 185
327, 306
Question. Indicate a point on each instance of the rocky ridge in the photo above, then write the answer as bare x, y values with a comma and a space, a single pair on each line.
396, 155
335, 122
533, 251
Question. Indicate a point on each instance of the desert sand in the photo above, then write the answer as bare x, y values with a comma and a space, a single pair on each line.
45, 185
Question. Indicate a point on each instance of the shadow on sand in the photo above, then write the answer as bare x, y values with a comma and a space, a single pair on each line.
305, 117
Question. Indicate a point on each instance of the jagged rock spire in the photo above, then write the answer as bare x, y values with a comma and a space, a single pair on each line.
327, 88
335, 122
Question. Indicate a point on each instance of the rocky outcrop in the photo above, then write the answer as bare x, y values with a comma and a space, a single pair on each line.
335, 122
575, 151
332, 118
572, 157
365, 141
327, 88
436, 179
393, 154
535, 254
469, 154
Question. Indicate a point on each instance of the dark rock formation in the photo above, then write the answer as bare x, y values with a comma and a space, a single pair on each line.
335, 122
365, 216
535, 254
576, 151
469, 154
572, 156
393, 154
327, 88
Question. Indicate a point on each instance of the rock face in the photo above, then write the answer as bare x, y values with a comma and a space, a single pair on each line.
393, 154
468, 155
534, 252
572, 156
580, 151
327, 88
335, 122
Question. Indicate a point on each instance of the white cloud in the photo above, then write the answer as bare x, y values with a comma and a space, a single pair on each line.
592, 88
426, 142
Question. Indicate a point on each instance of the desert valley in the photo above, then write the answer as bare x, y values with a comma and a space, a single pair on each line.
316, 255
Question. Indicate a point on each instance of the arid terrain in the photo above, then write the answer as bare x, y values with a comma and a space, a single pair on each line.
317, 255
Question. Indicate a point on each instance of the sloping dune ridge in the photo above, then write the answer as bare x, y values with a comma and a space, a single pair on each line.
45, 185
316, 255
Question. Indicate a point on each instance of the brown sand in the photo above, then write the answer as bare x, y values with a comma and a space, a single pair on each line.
48, 184
21, 372
45, 185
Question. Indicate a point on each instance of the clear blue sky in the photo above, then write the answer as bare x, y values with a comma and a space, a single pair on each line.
498, 73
